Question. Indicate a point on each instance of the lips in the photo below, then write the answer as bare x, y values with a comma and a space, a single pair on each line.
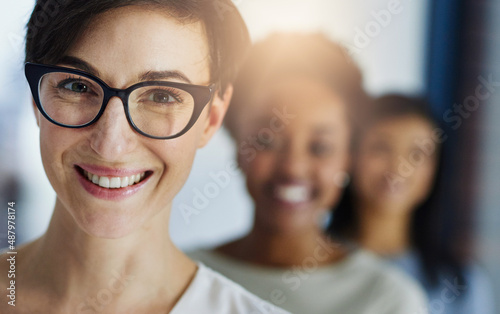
111, 183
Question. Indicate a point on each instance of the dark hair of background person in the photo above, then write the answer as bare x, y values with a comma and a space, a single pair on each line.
432, 235
55, 25
286, 54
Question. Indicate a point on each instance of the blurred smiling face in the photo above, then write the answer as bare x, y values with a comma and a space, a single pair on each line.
123, 45
391, 171
294, 143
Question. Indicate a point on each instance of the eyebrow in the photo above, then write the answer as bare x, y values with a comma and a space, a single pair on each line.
146, 76
163, 75
79, 64
325, 130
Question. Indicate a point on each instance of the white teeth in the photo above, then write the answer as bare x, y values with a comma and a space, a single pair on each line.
124, 182
292, 193
104, 182
114, 182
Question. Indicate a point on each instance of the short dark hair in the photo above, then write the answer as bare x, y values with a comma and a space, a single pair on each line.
394, 106
391, 106
313, 55
54, 27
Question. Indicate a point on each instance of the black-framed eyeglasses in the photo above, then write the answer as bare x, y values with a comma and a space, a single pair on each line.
76, 99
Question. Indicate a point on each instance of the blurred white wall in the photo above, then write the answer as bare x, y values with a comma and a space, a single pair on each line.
390, 48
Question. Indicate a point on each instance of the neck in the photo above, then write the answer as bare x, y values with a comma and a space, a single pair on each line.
385, 231
280, 249
71, 263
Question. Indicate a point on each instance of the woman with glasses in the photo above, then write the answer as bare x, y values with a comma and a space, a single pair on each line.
395, 207
296, 102
124, 94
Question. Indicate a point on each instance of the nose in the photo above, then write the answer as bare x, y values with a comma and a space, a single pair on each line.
395, 164
112, 137
294, 162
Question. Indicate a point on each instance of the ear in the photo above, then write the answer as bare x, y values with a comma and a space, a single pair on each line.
216, 114
36, 112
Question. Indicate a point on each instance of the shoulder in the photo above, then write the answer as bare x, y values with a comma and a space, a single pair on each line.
390, 289
210, 292
477, 290
478, 277
226, 265
199, 254
208, 257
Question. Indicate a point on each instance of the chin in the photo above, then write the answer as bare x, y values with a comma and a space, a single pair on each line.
108, 226
285, 222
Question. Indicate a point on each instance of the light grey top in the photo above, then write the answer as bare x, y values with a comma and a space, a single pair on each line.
360, 283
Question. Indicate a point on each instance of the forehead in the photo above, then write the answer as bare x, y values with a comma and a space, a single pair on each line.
125, 41
403, 129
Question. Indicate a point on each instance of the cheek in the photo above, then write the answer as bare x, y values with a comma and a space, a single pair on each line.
258, 172
368, 172
54, 143
331, 174
174, 159
260, 168
424, 177
177, 156
369, 169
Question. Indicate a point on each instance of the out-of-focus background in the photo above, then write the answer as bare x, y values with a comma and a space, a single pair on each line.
444, 49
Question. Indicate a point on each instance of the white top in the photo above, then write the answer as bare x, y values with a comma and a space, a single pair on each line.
360, 283
212, 293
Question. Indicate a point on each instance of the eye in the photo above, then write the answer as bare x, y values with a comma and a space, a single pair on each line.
76, 86
417, 155
267, 144
161, 97
379, 147
321, 149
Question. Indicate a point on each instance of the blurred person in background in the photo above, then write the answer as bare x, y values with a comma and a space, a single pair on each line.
296, 101
393, 206
124, 93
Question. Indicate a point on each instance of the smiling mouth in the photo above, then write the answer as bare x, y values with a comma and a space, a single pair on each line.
113, 182
292, 193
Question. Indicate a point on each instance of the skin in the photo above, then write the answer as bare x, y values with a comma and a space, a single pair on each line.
386, 191
308, 151
90, 240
